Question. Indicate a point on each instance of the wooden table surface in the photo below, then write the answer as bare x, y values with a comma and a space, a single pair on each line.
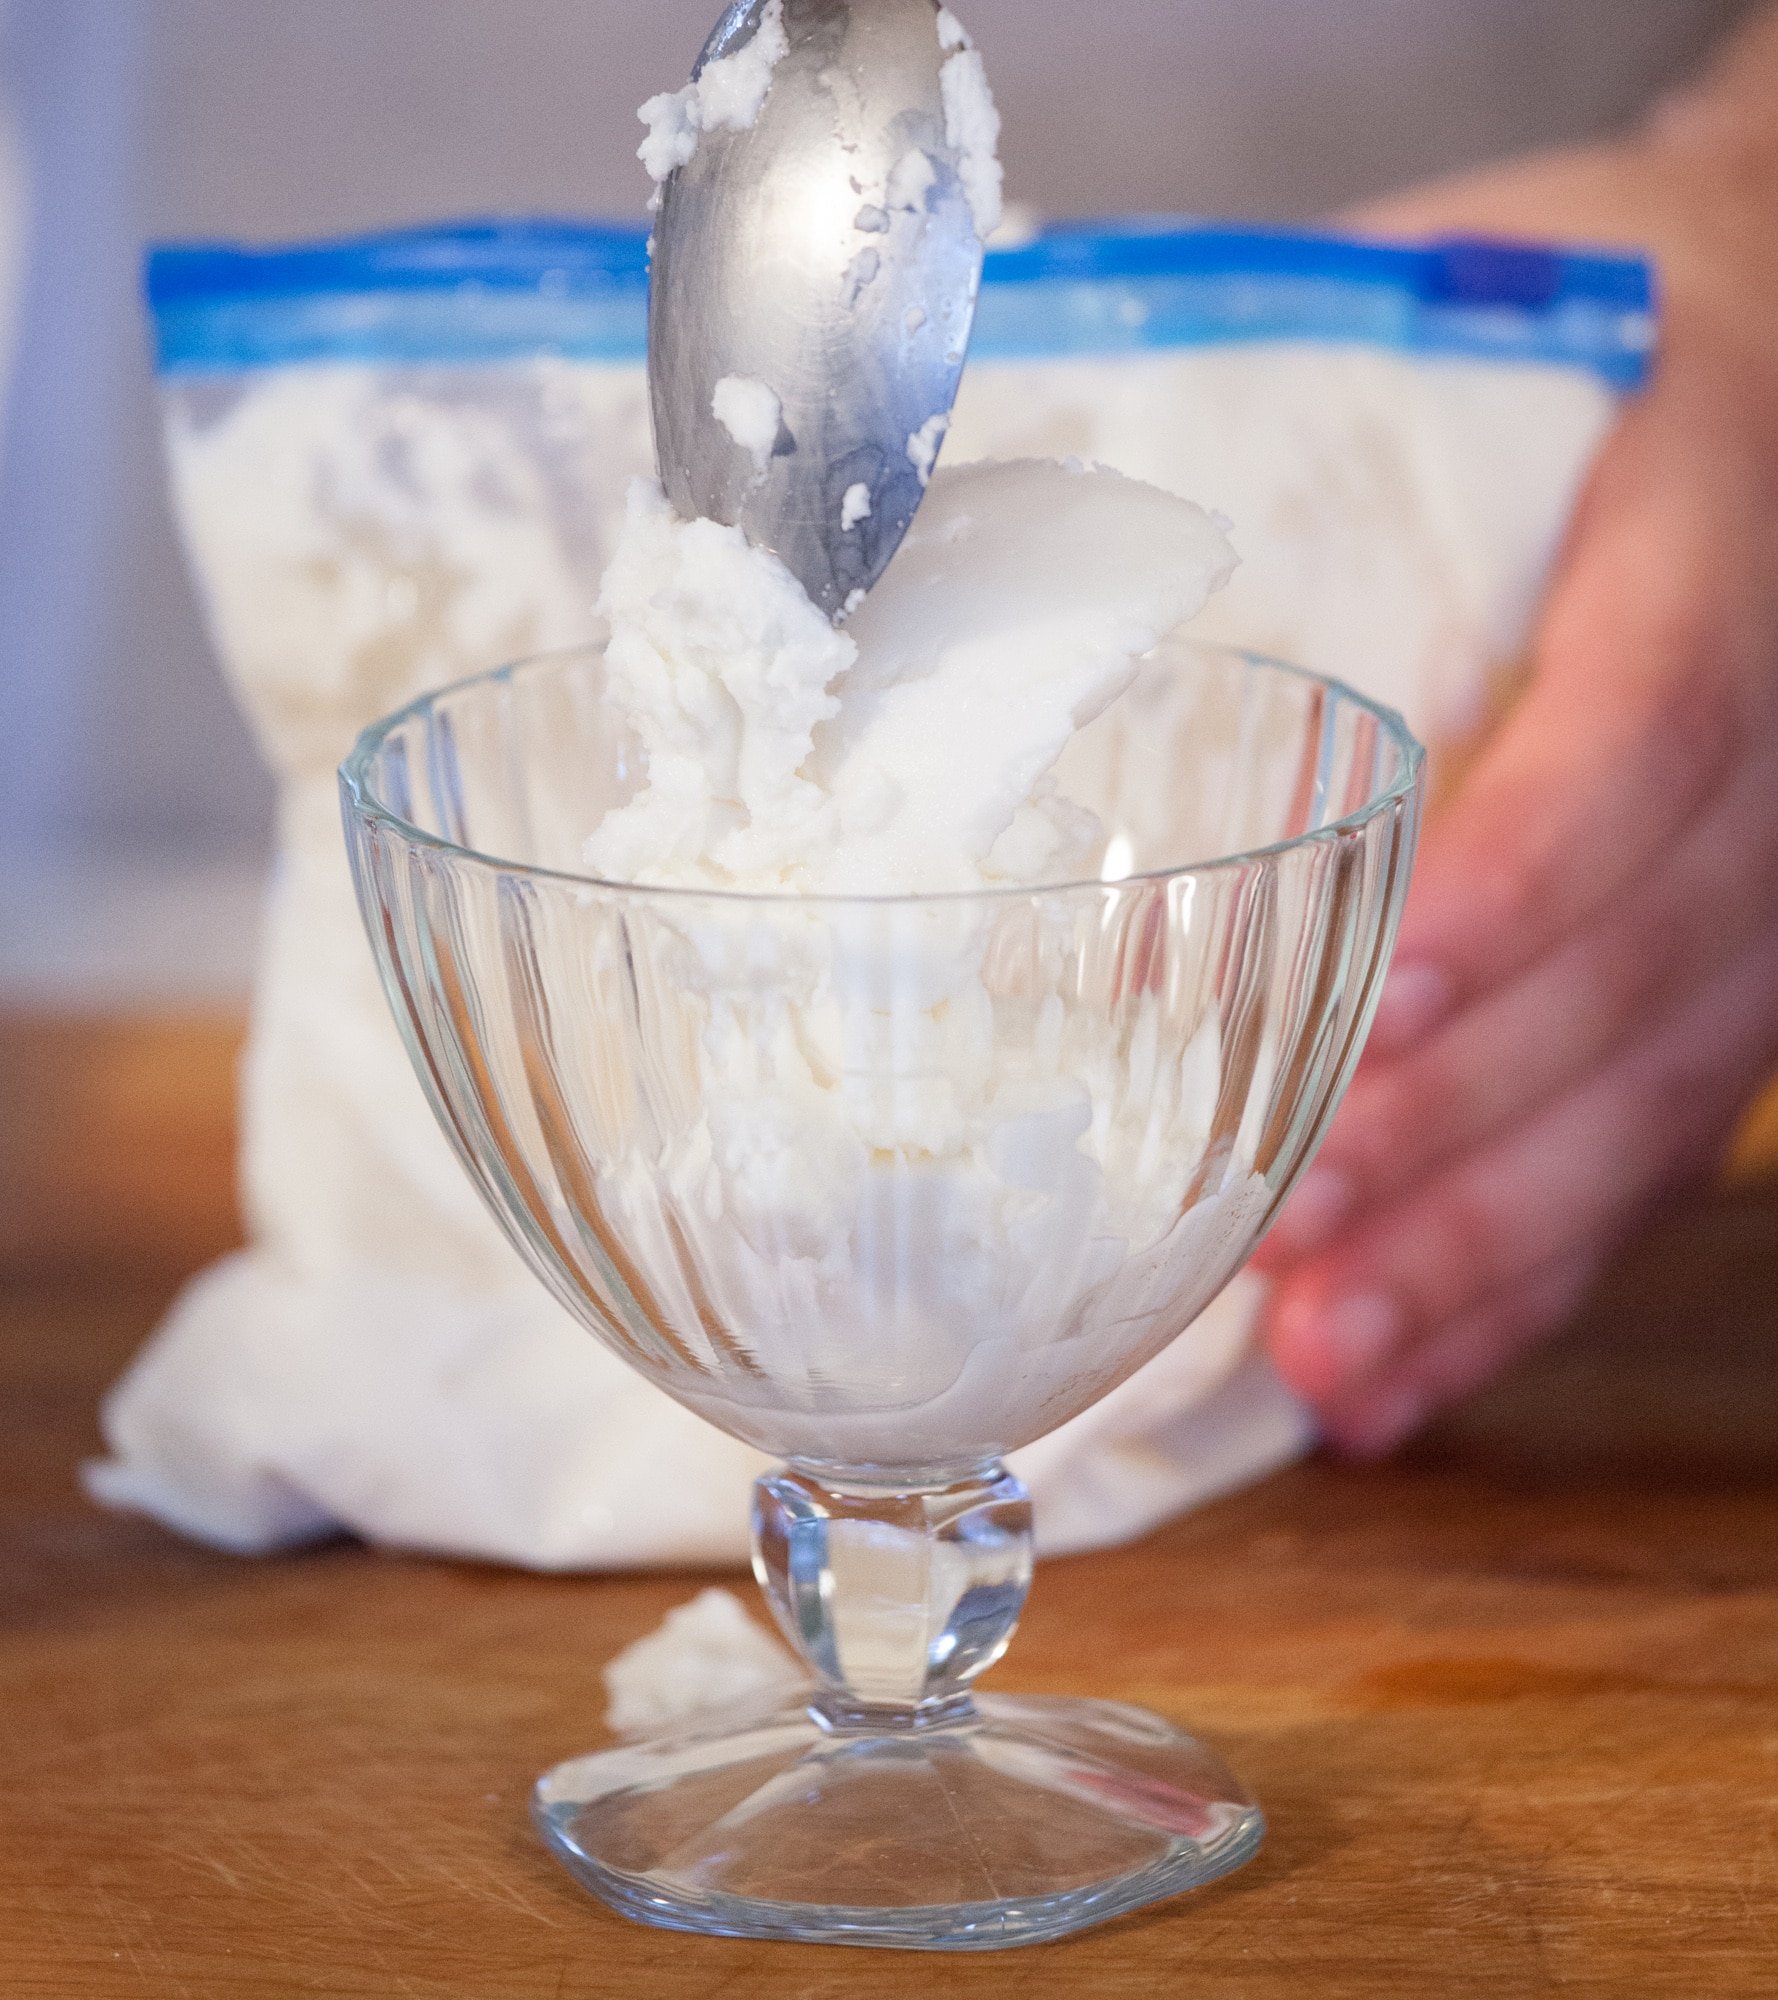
1511, 1701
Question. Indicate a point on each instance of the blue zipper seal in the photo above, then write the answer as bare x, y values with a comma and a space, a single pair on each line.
463, 294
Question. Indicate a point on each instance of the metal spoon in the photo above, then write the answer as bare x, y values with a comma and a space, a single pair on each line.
830, 253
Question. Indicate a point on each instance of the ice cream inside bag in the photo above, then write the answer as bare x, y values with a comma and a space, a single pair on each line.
403, 460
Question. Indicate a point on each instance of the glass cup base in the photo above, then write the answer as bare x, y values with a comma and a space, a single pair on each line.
1023, 1819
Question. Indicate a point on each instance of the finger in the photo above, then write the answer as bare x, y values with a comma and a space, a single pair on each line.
1652, 668
1375, 1415
1571, 1176
1564, 1017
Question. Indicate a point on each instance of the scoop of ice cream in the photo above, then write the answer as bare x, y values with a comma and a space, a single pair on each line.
907, 1175
911, 752
1014, 613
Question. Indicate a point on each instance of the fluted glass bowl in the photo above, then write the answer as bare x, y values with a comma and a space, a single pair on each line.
889, 1187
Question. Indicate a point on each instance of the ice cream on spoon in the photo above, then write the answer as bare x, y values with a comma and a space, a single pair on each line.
907, 752
906, 749
816, 717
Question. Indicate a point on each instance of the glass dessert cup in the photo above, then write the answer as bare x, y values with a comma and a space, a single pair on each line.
889, 1188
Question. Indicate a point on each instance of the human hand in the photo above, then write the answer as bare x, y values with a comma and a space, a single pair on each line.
1585, 994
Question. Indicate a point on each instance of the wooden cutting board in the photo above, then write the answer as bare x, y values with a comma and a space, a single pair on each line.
1511, 1702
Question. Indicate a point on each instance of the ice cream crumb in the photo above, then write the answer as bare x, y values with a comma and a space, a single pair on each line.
750, 413
703, 1655
672, 134
871, 219
730, 93
855, 507
972, 123
910, 180
923, 446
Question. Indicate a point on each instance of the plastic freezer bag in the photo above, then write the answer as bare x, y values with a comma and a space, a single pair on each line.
402, 460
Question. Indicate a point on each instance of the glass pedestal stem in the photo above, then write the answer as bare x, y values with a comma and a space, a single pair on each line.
896, 1596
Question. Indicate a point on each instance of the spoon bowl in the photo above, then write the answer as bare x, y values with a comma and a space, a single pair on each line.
814, 280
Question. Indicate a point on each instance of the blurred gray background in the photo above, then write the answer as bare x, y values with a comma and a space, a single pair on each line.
133, 812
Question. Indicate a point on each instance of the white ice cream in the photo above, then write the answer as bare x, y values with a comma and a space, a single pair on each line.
919, 1208
730, 93
972, 123
750, 413
704, 1655
924, 444
904, 754
930, 1232
911, 181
